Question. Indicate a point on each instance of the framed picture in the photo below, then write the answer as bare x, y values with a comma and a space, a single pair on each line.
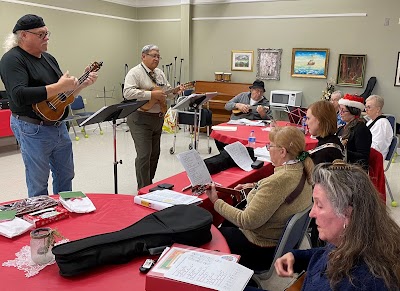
397, 78
269, 64
242, 61
351, 69
310, 63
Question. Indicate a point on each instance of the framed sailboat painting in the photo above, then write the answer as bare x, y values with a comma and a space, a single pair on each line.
310, 63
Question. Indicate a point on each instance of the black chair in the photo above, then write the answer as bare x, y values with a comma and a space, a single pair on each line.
291, 238
368, 90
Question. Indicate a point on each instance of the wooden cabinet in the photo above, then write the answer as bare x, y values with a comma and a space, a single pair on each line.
226, 91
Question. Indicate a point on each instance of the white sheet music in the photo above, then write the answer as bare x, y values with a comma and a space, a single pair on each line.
209, 271
239, 155
195, 168
171, 197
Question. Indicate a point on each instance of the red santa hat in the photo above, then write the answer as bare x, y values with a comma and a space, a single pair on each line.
352, 101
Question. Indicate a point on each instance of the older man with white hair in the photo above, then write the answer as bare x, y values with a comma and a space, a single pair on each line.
381, 130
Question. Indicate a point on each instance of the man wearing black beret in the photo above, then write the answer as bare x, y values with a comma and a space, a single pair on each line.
31, 75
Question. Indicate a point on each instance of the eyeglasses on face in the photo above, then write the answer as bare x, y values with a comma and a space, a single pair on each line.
343, 111
369, 107
155, 56
269, 146
41, 35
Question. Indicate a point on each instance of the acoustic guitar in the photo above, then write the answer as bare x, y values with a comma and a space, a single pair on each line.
163, 105
251, 108
53, 108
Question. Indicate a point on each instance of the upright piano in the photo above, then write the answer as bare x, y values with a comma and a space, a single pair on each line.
226, 91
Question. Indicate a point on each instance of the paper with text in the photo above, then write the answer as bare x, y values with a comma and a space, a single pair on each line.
239, 155
245, 121
171, 197
209, 271
195, 168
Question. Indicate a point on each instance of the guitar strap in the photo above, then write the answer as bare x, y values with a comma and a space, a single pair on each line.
375, 120
53, 66
152, 77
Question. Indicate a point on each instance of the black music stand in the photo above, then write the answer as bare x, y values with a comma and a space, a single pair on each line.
112, 113
195, 101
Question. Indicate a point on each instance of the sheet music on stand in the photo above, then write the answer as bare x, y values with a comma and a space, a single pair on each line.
194, 100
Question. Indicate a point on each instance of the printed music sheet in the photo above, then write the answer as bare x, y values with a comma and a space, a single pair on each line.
195, 168
209, 271
239, 155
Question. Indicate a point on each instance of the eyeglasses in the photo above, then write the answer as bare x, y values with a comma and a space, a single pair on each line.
343, 111
41, 35
155, 56
269, 146
369, 107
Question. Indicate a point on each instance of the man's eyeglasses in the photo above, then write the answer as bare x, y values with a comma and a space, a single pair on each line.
41, 35
155, 56
269, 146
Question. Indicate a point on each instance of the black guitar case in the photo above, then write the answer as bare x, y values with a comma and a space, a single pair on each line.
184, 224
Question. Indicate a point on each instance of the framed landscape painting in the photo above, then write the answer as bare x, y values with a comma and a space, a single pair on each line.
269, 64
242, 61
351, 69
310, 63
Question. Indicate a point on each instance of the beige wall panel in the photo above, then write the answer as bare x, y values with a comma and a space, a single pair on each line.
213, 41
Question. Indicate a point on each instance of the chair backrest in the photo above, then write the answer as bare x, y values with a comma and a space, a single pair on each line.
392, 150
370, 87
293, 233
78, 103
392, 121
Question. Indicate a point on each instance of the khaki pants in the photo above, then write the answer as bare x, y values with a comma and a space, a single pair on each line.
146, 129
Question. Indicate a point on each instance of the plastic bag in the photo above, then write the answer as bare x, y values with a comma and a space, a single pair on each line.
170, 120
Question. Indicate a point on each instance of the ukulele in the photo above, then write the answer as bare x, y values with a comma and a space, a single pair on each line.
298, 283
53, 108
163, 105
251, 108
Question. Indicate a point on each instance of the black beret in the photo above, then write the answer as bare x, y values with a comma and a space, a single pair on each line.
28, 21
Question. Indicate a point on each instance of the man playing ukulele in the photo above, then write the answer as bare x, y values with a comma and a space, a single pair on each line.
251, 105
30, 76
147, 82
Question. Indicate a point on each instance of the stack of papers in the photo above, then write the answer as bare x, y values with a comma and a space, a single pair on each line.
245, 121
161, 199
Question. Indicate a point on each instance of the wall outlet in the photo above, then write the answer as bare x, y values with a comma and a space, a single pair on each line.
84, 101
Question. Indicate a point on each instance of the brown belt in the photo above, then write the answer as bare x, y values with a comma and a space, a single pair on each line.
156, 114
37, 121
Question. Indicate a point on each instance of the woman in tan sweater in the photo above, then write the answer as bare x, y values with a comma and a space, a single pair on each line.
256, 230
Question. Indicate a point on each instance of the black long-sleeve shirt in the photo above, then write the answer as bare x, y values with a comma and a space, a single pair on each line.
25, 77
358, 144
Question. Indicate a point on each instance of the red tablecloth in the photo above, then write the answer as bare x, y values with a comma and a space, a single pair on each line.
228, 178
5, 129
262, 137
114, 212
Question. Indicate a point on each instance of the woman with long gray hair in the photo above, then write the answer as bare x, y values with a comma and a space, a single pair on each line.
363, 240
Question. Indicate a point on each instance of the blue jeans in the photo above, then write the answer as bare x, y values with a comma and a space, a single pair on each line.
45, 148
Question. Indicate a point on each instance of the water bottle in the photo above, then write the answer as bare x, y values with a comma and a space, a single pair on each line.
252, 139
305, 129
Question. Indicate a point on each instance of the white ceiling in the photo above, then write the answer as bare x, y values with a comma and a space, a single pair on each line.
155, 3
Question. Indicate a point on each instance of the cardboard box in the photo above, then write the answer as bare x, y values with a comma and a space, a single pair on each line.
156, 281
45, 216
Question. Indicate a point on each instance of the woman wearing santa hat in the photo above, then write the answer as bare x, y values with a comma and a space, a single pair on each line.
355, 135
